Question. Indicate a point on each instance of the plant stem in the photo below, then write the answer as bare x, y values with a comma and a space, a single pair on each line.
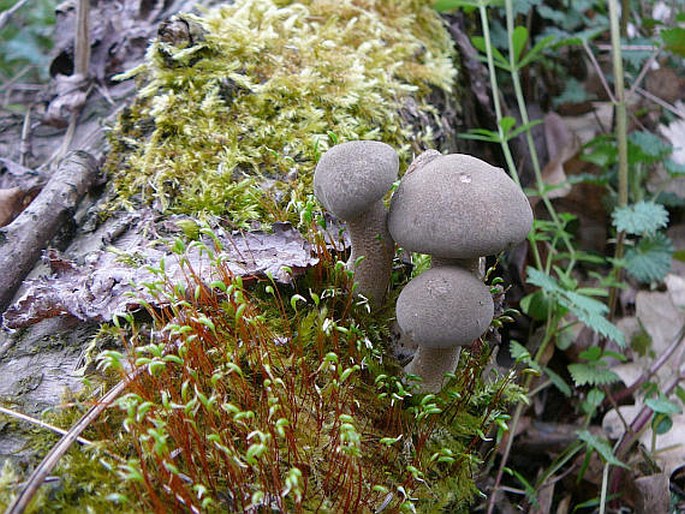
621, 130
523, 110
495, 93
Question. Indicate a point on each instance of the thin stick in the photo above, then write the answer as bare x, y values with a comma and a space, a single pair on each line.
6, 15
22, 500
43, 424
82, 38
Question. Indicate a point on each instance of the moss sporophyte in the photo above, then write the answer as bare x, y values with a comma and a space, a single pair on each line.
264, 397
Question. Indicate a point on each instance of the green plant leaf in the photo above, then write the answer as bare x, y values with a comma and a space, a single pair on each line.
591, 374
640, 218
662, 405
647, 147
535, 53
674, 168
588, 310
650, 260
661, 424
601, 446
674, 40
518, 352
519, 39
558, 382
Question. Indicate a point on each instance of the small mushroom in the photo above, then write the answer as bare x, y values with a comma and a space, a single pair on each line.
350, 181
455, 208
458, 208
442, 309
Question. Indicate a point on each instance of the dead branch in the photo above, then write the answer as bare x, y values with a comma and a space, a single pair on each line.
22, 241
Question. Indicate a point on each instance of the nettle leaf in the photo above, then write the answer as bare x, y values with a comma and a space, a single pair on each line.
591, 374
601, 446
674, 168
574, 92
640, 218
589, 311
644, 146
650, 260
542, 280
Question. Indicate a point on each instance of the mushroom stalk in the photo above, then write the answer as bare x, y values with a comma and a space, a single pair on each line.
371, 241
350, 181
472, 265
431, 364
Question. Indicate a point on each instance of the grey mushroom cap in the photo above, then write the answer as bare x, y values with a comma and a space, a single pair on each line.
458, 207
351, 176
444, 307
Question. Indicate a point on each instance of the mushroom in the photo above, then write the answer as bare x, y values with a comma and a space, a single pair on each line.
455, 208
350, 181
458, 208
442, 309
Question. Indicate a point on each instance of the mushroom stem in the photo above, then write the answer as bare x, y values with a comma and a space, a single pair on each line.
431, 364
371, 240
472, 265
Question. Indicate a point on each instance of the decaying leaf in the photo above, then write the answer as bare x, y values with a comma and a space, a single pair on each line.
111, 280
662, 319
11, 202
562, 145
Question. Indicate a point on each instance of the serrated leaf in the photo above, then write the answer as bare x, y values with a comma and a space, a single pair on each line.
588, 310
591, 374
640, 218
602, 326
518, 352
542, 280
645, 146
601, 446
650, 260
574, 92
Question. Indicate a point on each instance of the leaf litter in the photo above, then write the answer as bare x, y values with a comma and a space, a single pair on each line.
111, 278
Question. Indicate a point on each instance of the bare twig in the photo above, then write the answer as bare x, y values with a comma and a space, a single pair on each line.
661, 103
6, 15
25, 145
82, 38
22, 500
598, 70
43, 424
22, 241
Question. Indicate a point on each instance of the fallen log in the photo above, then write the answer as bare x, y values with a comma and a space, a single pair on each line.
22, 241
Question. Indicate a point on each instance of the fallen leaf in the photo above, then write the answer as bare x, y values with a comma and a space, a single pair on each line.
659, 315
111, 280
562, 145
11, 202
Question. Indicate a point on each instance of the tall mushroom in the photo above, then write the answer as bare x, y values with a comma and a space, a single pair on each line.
455, 208
350, 181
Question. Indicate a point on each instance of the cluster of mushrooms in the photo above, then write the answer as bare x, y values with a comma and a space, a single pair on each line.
455, 208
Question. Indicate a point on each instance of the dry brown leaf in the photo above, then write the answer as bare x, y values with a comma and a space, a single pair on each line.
661, 317
111, 281
11, 203
562, 145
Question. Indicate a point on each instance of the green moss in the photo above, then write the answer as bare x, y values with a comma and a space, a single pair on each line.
234, 112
